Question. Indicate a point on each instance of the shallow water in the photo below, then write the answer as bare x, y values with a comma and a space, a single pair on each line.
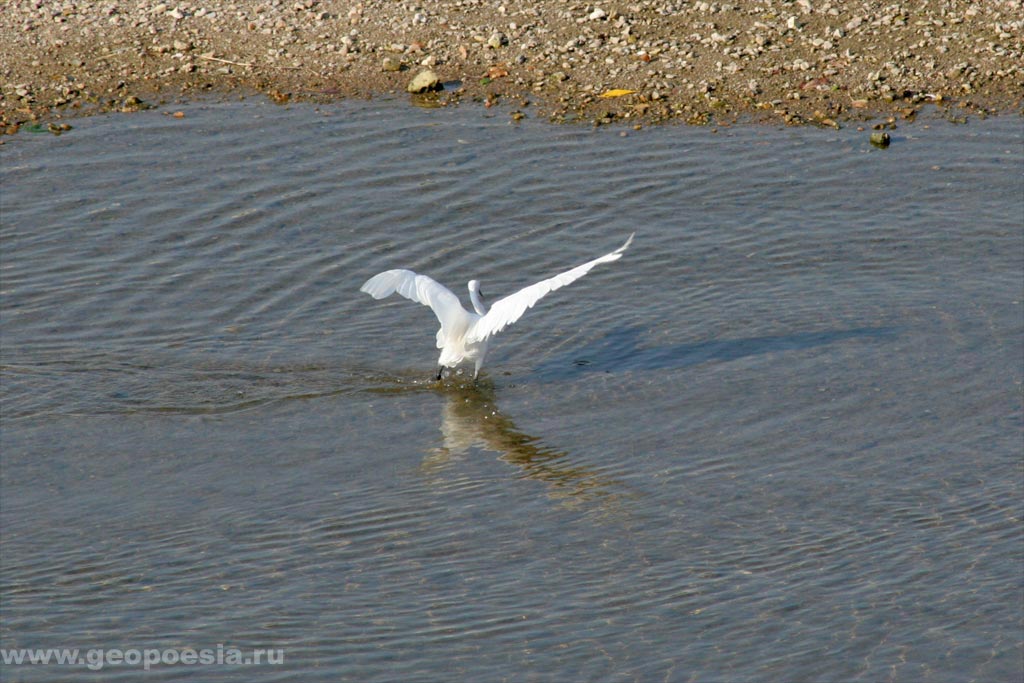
780, 439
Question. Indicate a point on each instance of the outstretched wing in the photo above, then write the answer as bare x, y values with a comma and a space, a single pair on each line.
422, 290
506, 311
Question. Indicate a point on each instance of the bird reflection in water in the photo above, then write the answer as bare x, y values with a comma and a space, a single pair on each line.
470, 420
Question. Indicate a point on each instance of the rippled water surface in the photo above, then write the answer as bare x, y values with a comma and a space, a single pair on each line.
779, 440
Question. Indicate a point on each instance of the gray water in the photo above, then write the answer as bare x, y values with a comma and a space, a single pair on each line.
779, 440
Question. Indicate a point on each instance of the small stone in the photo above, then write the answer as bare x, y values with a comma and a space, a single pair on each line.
497, 40
597, 14
133, 103
425, 81
391, 64
880, 140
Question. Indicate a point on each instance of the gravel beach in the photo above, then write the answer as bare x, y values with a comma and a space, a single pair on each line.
802, 61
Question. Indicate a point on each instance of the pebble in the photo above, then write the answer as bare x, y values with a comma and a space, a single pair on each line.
425, 81
826, 61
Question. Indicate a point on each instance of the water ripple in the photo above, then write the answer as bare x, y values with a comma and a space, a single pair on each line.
778, 440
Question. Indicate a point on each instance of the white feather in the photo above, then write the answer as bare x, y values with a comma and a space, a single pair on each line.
506, 311
465, 335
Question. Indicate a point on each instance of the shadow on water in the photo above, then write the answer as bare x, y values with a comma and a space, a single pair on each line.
621, 349
470, 421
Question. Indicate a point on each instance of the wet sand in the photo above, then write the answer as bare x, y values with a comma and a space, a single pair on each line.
641, 62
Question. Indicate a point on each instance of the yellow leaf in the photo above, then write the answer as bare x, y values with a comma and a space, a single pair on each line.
617, 92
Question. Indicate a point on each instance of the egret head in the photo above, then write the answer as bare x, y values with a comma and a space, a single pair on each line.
476, 296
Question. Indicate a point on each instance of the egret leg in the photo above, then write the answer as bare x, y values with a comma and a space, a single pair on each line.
439, 371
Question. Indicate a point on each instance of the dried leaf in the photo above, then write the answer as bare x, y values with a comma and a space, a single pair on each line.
617, 92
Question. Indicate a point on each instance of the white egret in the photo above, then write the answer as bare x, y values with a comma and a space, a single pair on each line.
465, 336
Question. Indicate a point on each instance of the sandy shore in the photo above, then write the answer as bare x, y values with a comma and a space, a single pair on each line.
801, 61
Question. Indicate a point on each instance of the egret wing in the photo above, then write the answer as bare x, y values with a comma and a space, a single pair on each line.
506, 311
422, 290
